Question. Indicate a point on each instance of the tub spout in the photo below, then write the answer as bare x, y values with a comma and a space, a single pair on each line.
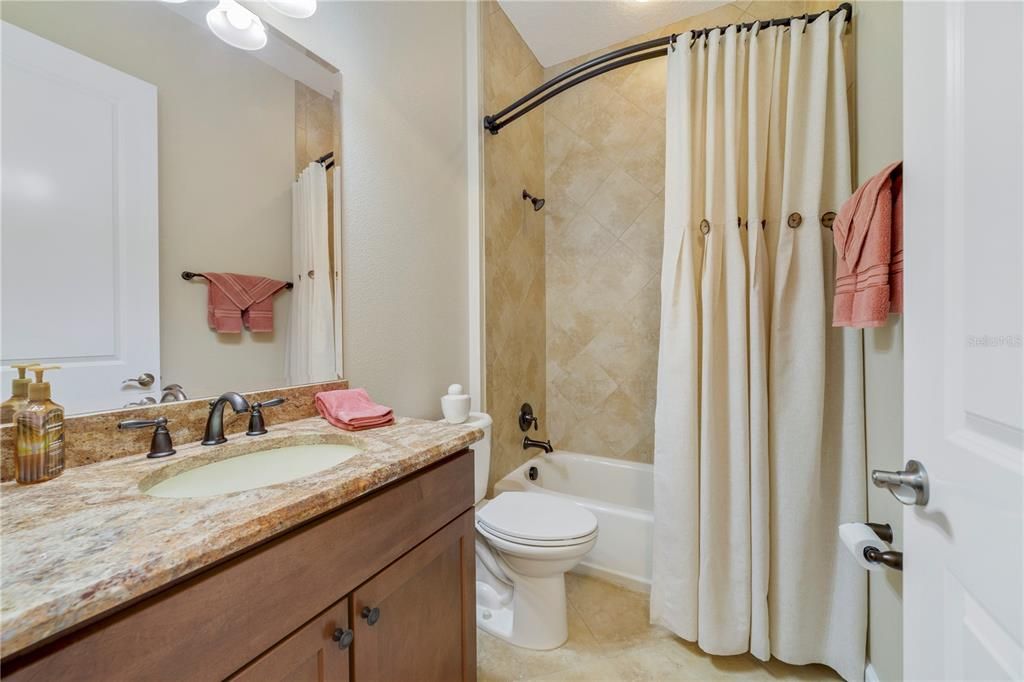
544, 445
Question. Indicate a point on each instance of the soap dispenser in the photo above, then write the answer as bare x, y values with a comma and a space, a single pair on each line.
39, 447
455, 405
19, 394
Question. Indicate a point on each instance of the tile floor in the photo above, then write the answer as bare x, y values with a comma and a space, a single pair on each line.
610, 639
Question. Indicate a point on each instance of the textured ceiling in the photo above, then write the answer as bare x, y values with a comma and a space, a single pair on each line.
557, 30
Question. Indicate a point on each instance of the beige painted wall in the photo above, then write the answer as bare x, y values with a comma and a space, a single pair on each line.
879, 100
226, 158
404, 192
514, 255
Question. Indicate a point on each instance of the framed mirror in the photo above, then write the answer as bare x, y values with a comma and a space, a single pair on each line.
169, 209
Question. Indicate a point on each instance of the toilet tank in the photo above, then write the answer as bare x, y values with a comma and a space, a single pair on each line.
481, 453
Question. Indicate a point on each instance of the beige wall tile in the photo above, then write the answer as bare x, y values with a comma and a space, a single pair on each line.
582, 172
645, 87
583, 238
558, 141
514, 242
645, 236
611, 125
645, 160
618, 202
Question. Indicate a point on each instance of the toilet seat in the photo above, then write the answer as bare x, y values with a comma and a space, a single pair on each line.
536, 520
538, 548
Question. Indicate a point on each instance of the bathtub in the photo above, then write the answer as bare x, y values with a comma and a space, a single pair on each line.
619, 493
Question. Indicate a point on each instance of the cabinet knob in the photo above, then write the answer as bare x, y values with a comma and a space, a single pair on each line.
343, 636
371, 615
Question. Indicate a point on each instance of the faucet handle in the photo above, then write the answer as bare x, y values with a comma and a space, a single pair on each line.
257, 427
161, 445
526, 418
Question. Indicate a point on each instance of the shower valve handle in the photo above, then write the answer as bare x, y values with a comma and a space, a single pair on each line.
527, 418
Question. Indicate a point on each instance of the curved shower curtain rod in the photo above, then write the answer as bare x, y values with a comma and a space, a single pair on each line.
658, 47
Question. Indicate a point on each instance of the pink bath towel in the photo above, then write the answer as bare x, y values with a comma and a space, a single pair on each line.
233, 299
868, 234
353, 410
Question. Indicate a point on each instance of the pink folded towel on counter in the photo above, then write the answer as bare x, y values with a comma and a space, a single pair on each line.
353, 410
236, 299
868, 235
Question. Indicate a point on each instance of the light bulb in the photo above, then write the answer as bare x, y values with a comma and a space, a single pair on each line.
239, 17
236, 26
297, 9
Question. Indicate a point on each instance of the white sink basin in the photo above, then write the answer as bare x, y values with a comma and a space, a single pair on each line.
253, 470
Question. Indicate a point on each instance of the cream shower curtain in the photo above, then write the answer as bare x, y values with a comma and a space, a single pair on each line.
759, 443
310, 353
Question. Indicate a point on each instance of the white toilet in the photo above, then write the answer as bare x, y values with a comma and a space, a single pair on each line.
525, 543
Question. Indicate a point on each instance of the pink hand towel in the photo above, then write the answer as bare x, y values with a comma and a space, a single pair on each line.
233, 299
352, 410
868, 235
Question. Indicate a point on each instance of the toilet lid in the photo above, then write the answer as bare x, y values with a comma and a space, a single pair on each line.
535, 516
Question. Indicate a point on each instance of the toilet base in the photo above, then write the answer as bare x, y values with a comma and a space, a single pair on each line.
536, 618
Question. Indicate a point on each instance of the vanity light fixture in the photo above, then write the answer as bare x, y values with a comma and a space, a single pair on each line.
236, 26
296, 9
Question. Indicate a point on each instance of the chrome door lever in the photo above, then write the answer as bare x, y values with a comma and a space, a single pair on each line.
909, 486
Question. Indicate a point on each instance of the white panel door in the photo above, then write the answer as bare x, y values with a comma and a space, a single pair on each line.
79, 222
963, 588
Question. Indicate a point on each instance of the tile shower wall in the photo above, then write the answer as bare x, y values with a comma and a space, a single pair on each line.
604, 156
513, 243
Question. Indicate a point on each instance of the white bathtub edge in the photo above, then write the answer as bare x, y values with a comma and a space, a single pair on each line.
629, 582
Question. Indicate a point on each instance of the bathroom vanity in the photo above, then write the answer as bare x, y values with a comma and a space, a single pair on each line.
379, 587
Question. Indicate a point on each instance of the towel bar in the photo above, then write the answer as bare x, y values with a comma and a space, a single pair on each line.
191, 275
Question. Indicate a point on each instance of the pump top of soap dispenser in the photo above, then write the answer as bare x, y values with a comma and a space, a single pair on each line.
19, 394
40, 390
19, 386
455, 389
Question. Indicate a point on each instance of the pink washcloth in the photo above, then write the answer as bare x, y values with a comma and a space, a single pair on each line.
353, 410
868, 234
234, 299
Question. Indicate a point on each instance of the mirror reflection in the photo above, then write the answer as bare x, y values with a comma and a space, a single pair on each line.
168, 217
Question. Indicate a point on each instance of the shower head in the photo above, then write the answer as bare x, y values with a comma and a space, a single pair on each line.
537, 202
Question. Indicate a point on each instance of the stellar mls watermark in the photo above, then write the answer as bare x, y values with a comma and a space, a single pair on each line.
995, 341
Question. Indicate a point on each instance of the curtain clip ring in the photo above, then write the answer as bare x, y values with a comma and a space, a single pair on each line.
806, 17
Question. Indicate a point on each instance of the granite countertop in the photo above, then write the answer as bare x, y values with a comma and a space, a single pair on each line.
89, 541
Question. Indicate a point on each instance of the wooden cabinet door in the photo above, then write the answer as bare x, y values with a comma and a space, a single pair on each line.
416, 619
319, 651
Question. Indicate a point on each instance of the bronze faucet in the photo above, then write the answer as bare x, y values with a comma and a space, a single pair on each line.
215, 422
544, 445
